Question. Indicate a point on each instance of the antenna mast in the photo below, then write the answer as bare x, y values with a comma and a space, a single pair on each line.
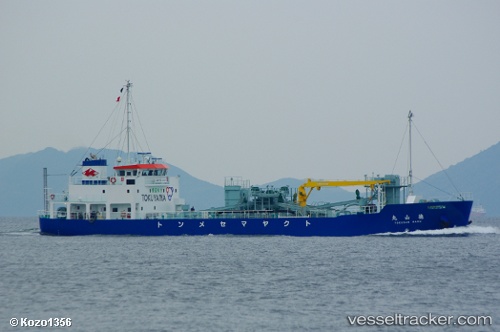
128, 86
410, 172
45, 191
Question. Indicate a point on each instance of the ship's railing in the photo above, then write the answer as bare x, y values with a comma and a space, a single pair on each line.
63, 198
43, 213
97, 198
215, 215
236, 181
465, 196
259, 214
209, 215
218, 214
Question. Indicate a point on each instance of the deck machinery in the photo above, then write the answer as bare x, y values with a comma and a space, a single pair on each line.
242, 199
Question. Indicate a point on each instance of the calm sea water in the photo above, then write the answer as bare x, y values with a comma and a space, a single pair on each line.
226, 283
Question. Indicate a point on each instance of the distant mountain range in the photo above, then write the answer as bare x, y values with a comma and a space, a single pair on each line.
478, 175
21, 182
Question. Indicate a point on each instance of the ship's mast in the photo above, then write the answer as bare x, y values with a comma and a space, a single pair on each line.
45, 191
128, 86
410, 172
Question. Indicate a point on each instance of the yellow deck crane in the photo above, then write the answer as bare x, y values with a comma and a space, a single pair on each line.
311, 184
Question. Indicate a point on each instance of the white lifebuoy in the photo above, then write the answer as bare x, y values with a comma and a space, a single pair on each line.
112, 180
52, 196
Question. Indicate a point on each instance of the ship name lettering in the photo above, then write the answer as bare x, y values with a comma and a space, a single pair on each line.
265, 222
415, 221
153, 198
401, 222
202, 224
286, 223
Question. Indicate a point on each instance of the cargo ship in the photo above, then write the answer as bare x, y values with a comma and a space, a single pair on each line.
136, 196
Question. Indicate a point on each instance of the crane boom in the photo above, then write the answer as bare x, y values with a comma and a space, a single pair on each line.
311, 184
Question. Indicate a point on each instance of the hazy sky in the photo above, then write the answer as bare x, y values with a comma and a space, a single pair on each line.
259, 89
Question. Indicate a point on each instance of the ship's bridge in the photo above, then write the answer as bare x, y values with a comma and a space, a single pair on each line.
141, 169
148, 167
94, 172
152, 174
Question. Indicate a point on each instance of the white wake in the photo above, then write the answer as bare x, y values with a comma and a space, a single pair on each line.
465, 230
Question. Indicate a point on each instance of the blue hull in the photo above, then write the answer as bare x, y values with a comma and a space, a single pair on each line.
392, 219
